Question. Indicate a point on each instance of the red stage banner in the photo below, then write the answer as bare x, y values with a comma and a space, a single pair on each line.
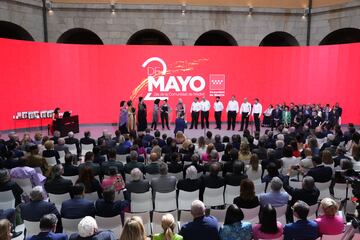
92, 80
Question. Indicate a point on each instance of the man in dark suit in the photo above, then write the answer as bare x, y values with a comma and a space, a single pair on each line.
164, 183
133, 163
153, 167
56, 184
48, 225
77, 207
191, 182
111, 162
138, 184
89, 161
107, 207
237, 175
72, 140
340, 154
122, 148
69, 168
37, 207
161, 142
7, 184
319, 172
276, 116
147, 138
87, 139
219, 146
212, 180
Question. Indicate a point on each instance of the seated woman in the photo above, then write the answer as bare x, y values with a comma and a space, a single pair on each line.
50, 152
238, 174
234, 228
168, 225
205, 157
86, 177
254, 170
268, 227
175, 165
114, 179
133, 229
247, 198
329, 223
244, 152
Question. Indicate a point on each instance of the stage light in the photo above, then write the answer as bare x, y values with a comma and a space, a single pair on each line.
49, 6
113, 8
250, 11
183, 9
306, 13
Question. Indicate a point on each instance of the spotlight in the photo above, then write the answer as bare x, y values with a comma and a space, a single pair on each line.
250, 11
49, 6
183, 9
306, 13
113, 8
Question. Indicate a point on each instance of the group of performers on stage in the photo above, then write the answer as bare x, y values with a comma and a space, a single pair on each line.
311, 115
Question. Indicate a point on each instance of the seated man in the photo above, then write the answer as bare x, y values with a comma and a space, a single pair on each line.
60, 146
56, 184
319, 172
77, 207
138, 184
38, 207
164, 183
72, 140
47, 226
153, 167
88, 229
212, 180
89, 161
302, 229
87, 140
133, 163
108, 207
202, 227
111, 162
275, 197
7, 184
69, 168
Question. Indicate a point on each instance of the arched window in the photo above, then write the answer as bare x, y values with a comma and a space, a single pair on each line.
343, 35
279, 39
14, 31
149, 37
80, 36
216, 38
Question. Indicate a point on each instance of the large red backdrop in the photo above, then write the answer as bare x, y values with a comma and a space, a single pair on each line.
92, 80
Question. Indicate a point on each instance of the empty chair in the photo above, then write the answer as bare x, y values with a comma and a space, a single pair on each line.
214, 197
86, 148
145, 216
296, 184
280, 213
58, 199
251, 214
91, 196
141, 202
121, 158
70, 226
110, 223
165, 202
259, 187
32, 228
7, 200
231, 192
219, 214
72, 148
72, 178
185, 217
62, 156
156, 221
186, 198
51, 161
24, 183
324, 189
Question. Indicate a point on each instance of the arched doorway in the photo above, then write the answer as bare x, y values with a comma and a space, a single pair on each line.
216, 38
80, 36
14, 31
341, 36
149, 37
279, 39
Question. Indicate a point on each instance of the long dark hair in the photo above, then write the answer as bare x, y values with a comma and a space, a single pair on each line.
122, 103
233, 215
86, 176
267, 219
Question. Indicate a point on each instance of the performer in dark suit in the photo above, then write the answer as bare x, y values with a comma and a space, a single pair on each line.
180, 124
142, 122
77, 207
164, 114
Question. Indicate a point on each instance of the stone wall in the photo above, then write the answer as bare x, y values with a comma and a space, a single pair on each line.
180, 29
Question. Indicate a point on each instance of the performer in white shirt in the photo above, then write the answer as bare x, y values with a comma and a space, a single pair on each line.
218, 107
194, 110
205, 107
245, 110
232, 109
256, 113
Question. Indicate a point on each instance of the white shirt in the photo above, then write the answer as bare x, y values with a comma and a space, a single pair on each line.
245, 108
205, 105
195, 107
257, 108
218, 106
232, 106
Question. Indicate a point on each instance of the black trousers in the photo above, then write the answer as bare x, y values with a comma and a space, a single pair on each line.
154, 125
257, 122
194, 119
164, 119
218, 119
204, 119
244, 118
231, 119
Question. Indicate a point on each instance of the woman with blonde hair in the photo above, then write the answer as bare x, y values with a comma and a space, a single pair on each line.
205, 156
254, 169
327, 159
330, 223
244, 153
5, 230
168, 225
180, 137
133, 229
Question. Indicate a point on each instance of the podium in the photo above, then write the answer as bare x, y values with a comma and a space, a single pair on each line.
66, 125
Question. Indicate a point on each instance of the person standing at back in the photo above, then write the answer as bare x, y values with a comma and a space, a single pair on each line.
218, 108
256, 113
245, 110
205, 107
194, 110
232, 110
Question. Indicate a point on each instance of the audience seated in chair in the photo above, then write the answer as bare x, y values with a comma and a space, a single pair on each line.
268, 226
133, 229
7, 184
107, 207
168, 224
234, 226
164, 183
238, 174
191, 182
133, 163
329, 222
56, 184
88, 229
87, 178
48, 225
137, 184
247, 198
275, 197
